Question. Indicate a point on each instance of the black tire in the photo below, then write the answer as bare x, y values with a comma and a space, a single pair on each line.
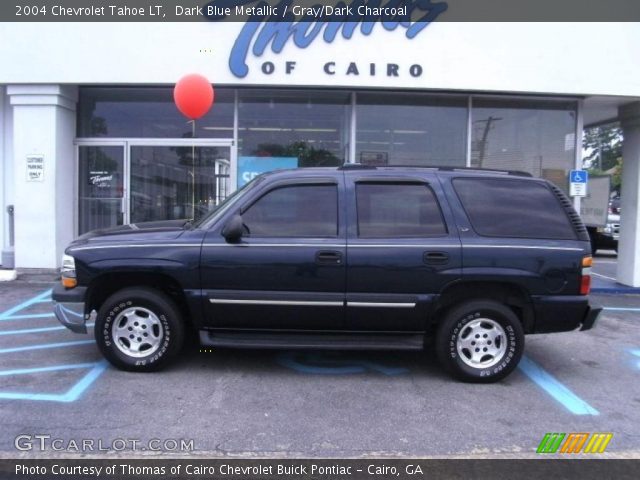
457, 322
153, 307
594, 243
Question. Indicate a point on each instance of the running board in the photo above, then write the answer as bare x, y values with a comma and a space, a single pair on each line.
313, 340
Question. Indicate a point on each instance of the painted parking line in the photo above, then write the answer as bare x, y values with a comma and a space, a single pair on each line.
555, 388
41, 298
621, 309
36, 330
30, 315
603, 276
53, 368
73, 394
44, 346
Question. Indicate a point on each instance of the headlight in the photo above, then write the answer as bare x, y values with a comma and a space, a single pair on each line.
68, 271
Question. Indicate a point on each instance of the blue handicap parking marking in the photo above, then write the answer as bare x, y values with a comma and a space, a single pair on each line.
555, 388
44, 297
95, 369
635, 352
323, 363
70, 395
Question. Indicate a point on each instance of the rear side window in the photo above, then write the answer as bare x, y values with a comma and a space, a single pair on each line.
295, 211
513, 208
395, 210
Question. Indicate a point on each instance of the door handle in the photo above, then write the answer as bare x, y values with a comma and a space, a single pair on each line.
435, 258
328, 257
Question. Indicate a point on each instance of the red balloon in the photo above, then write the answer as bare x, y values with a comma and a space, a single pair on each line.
193, 95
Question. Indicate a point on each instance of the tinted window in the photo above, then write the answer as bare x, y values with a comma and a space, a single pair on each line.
297, 211
513, 208
398, 210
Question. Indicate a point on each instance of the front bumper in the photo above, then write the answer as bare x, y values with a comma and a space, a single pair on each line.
563, 313
69, 308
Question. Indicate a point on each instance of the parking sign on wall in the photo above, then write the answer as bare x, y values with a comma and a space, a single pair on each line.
578, 183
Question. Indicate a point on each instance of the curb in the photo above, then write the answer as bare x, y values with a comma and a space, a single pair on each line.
616, 290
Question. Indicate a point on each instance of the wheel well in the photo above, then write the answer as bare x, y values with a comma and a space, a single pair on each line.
106, 285
508, 294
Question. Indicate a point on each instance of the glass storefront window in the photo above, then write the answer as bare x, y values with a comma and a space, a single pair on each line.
411, 129
293, 128
100, 187
138, 112
169, 183
534, 136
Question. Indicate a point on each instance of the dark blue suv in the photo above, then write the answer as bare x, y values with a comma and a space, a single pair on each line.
466, 261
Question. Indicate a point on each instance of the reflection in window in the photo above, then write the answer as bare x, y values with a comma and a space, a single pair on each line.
398, 210
299, 211
513, 208
100, 187
532, 136
308, 125
146, 112
167, 183
411, 129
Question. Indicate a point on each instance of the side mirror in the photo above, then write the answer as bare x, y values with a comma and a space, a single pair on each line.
233, 230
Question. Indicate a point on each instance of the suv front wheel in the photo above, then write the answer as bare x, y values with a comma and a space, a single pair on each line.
139, 329
480, 341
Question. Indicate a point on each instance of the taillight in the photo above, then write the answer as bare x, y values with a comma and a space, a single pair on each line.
585, 279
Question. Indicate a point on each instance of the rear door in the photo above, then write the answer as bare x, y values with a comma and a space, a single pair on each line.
402, 249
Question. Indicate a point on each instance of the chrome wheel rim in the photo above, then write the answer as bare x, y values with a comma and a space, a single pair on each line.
137, 332
481, 343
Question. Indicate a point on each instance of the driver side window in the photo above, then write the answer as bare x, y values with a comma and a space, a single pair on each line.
295, 211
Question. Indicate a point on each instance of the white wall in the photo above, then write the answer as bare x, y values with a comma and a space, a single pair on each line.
507, 57
3, 162
43, 124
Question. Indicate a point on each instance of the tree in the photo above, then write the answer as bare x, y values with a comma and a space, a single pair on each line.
603, 152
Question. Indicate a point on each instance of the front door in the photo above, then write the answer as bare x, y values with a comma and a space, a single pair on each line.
288, 270
101, 193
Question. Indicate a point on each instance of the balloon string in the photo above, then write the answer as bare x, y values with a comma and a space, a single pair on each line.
193, 169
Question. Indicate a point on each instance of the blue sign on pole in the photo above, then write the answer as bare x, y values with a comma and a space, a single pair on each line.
250, 167
578, 183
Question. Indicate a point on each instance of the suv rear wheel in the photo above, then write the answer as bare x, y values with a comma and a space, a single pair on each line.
139, 329
480, 341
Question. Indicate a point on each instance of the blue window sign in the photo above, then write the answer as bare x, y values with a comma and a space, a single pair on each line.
250, 167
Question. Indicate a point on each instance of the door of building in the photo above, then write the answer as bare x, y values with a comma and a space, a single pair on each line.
140, 180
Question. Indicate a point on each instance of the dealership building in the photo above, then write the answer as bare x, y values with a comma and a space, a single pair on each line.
90, 136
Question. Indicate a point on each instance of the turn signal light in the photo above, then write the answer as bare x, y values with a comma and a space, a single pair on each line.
69, 282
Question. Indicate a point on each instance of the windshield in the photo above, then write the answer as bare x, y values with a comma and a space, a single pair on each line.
206, 220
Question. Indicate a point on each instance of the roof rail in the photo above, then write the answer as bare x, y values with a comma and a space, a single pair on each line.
360, 166
516, 173
356, 166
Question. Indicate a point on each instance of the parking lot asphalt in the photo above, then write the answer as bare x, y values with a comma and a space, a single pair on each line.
314, 404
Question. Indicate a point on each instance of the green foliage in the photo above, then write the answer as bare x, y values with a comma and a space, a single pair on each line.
603, 146
308, 156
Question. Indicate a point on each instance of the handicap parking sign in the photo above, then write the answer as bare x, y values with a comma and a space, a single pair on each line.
578, 183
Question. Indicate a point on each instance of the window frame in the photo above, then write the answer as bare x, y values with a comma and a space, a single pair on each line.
397, 182
323, 182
